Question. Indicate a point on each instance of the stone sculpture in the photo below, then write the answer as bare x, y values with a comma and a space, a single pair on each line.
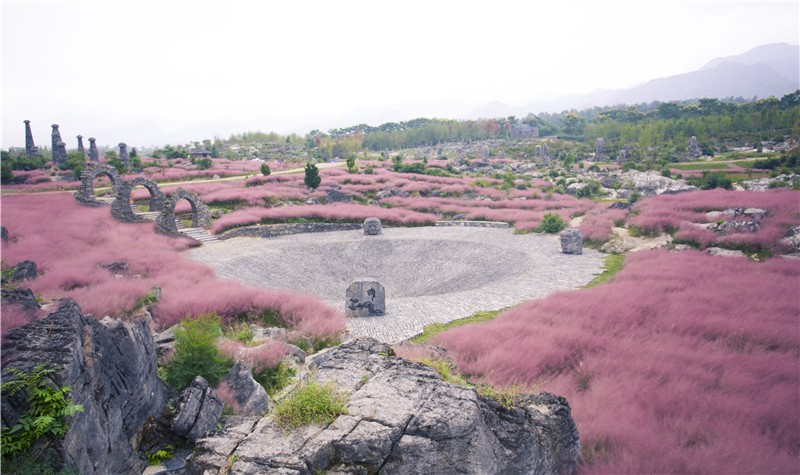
123, 153
80, 145
365, 297
693, 150
93, 156
571, 241
599, 148
55, 139
372, 227
30, 148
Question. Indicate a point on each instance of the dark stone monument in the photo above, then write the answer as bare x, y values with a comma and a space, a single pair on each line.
571, 241
30, 148
55, 139
599, 149
693, 150
93, 156
80, 145
372, 227
365, 297
61, 151
123, 153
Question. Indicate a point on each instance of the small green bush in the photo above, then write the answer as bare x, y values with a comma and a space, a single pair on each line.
312, 178
196, 353
551, 223
265, 170
311, 402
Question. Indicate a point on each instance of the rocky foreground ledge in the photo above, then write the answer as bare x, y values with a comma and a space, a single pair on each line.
402, 418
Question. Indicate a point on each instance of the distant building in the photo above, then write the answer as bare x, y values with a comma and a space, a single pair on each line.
199, 152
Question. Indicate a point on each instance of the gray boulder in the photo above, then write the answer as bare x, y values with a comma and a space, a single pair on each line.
402, 418
198, 410
653, 183
24, 270
372, 227
4, 234
571, 241
718, 251
251, 397
111, 368
22, 297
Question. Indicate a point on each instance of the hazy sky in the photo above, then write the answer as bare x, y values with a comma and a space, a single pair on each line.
154, 72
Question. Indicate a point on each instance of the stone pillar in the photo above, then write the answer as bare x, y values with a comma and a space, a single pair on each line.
537, 151
93, 156
545, 151
55, 138
571, 241
30, 148
61, 152
365, 297
693, 150
123, 153
80, 145
599, 148
372, 227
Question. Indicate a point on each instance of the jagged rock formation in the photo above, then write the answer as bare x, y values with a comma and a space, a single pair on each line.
111, 368
198, 410
653, 183
402, 418
251, 398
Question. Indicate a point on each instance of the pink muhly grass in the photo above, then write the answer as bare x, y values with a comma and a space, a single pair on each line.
70, 244
662, 365
334, 212
14, 316
597, 224
228, 397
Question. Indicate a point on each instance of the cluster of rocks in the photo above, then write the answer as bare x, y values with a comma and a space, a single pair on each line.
735, 220
763, 184
401, 418
59, 147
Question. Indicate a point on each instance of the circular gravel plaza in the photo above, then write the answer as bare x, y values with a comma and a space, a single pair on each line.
431, 274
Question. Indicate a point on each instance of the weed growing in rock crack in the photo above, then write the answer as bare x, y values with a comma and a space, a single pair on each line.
507, 397
46, 413
159, 456
311, 402
274, 379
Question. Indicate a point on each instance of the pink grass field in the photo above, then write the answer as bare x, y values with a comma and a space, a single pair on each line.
68, 242
679, 211
683, 363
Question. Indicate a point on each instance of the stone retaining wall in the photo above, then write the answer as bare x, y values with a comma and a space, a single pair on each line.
273, 230
474, 224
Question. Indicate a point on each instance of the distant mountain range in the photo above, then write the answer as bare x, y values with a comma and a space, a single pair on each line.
767, 70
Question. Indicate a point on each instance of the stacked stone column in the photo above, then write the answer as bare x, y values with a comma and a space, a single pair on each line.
93, 156
30, 148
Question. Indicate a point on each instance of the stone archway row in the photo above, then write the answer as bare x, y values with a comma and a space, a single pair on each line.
122, 210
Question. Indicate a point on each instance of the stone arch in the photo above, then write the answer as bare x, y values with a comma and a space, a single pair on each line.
121, 209
85, 192
166, 223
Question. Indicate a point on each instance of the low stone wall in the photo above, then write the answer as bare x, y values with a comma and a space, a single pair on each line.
274, 230
474, 224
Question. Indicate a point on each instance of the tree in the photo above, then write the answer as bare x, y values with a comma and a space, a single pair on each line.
203, 163
312, 179
265, 170
351, 164
6, 175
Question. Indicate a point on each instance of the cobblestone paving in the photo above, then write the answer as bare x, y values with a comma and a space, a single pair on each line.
431, 274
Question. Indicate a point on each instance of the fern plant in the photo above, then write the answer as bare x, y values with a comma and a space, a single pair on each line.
47, 411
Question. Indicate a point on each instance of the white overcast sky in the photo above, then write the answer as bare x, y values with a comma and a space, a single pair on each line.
149, 72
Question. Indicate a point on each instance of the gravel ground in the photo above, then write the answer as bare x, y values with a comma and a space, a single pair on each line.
431, 274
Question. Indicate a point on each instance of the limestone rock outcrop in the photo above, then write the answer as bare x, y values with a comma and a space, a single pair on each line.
402, 418
111, 368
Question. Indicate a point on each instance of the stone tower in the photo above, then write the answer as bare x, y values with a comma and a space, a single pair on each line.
59, 153
93, 150
123, 153
80, 145
30, 148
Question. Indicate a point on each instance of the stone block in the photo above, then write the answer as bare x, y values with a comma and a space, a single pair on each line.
372, 227
365, 297
571, 241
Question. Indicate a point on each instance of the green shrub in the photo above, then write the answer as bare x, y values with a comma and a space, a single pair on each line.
311, 402
203, 163
265, 170
551, 223
312, 178
46, 413
274, 379
196, 353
